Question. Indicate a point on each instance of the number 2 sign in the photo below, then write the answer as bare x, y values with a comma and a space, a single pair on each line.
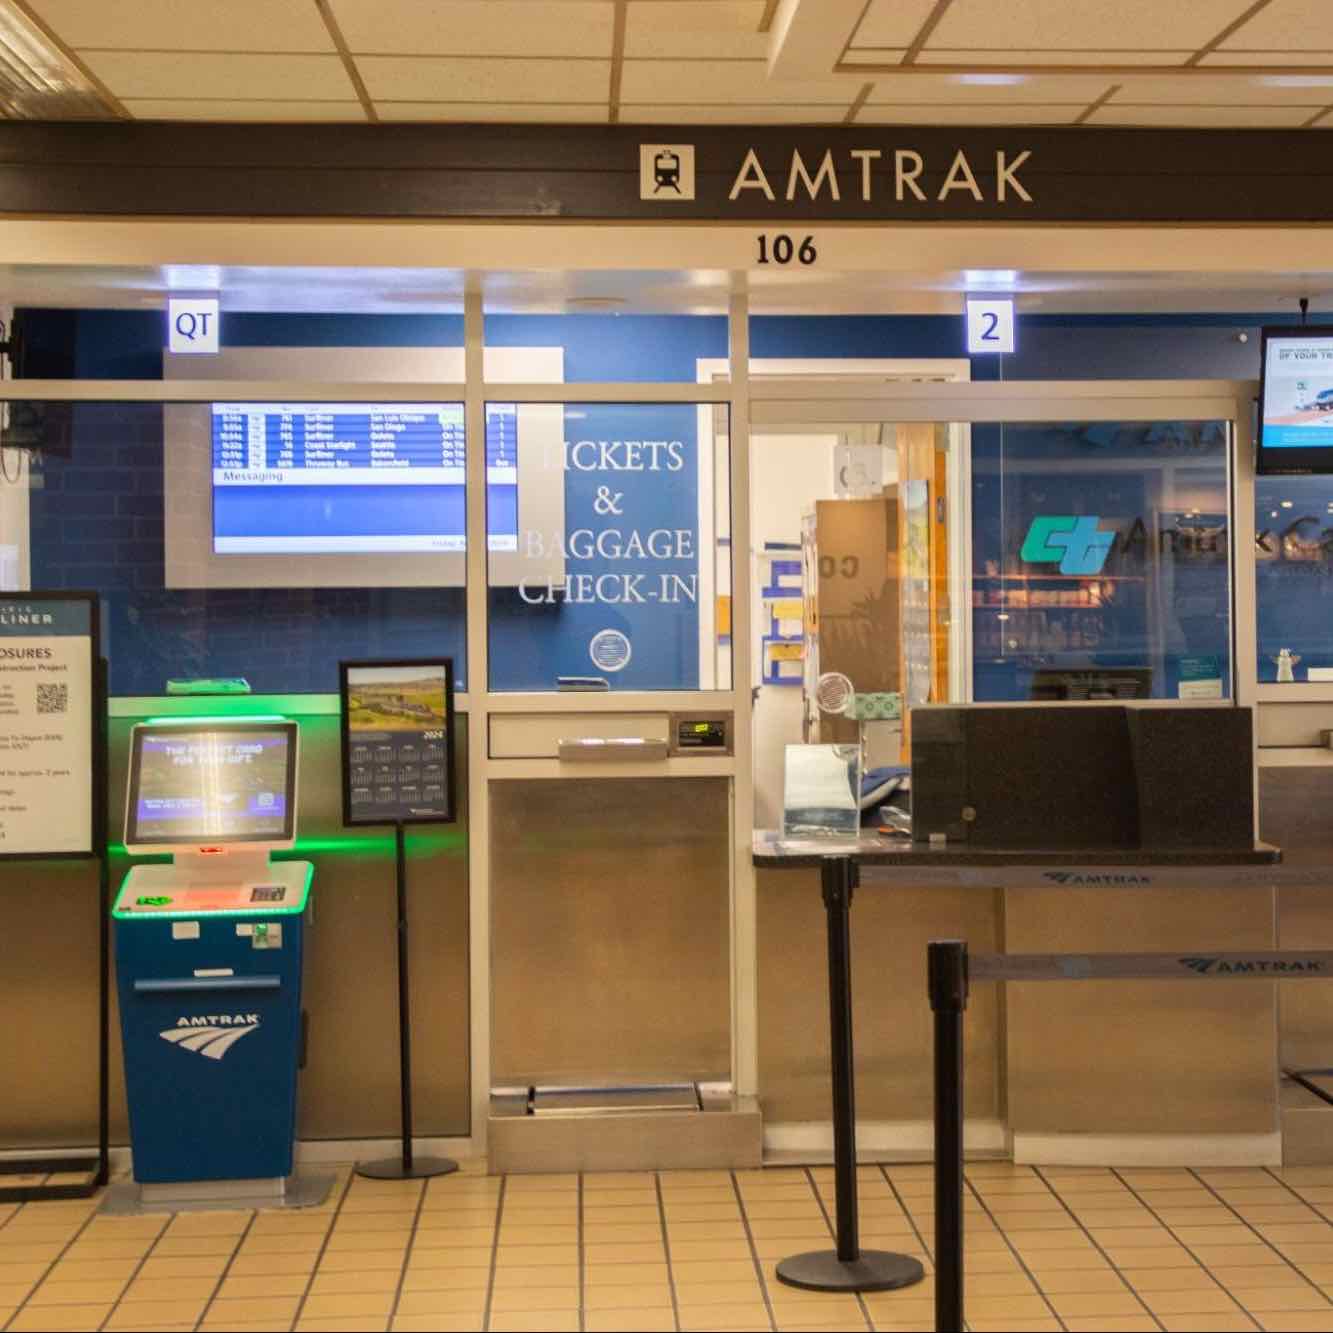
990, 324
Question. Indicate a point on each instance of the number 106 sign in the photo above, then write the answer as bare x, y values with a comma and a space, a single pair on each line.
990, 324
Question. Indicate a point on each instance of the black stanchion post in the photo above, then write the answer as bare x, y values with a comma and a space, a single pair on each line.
947, 972
849, 1268
101, 826
406, 1166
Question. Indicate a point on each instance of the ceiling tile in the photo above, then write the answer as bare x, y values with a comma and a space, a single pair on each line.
1237, 90
892, 22
925, 113
495, 112
1234, 116
873, 56
716, 81
477, 27
1293, 58
174, 25
239, 77
768, 113
181, 108
1091, 25
443, 79
1007, 89
1285, 25
1029, 56
723, 29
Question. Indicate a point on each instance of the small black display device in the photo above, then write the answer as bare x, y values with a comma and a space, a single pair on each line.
1296, 402
398, 741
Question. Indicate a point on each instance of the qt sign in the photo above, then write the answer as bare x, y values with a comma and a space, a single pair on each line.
192, 324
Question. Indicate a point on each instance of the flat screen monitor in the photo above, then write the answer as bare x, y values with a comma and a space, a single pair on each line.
355, 478
1070, 684
1296, 402
205, 783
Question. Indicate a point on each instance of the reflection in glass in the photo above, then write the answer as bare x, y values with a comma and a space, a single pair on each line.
1293, 553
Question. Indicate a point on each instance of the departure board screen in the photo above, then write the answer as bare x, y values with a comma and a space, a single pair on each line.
338, 478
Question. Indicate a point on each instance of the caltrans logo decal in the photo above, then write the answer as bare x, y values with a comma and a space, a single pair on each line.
1075, 543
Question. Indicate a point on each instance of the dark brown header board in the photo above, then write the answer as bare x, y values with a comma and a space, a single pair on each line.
664, 173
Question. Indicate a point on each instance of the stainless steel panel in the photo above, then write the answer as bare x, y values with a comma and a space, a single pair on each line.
891, 927
48, 974
610, 913
538, 735
1113, 1057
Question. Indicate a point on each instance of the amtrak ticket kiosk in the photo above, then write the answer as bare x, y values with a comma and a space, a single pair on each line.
209, 958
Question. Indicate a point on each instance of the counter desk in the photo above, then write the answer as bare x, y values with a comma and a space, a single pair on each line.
1142, 1073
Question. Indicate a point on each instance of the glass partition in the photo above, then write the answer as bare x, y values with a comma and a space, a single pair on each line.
608, 546
1101, 560
1293, 524
263, 541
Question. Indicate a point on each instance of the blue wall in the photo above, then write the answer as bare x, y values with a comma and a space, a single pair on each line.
98, 519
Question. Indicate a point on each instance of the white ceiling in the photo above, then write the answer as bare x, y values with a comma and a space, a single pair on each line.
983, 62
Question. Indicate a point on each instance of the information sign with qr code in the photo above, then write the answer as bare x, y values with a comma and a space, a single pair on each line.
48, 732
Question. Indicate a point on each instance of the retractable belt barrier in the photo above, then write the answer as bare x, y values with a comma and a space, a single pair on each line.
951, 970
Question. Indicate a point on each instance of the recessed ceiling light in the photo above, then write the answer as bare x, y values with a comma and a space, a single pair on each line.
991, 80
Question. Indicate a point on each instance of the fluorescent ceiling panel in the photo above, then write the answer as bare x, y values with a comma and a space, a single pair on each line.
477, 27
976, 57
963, 89
234, 77
1088, 25
1239, 90
694, 29
924, 113
194, 25
442, 79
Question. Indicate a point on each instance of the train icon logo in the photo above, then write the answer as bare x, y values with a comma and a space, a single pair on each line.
666, 171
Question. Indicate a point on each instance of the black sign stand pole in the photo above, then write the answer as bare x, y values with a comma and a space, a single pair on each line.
849, 1267
405, 1166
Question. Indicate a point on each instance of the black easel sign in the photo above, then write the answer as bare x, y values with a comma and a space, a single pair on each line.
48, 723
398, 741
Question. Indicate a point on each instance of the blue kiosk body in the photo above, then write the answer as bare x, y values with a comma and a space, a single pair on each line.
209, 952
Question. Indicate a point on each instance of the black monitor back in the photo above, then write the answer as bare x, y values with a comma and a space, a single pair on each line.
1027, 778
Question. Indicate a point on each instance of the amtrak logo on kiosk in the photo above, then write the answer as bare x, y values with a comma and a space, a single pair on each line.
211, 1035
610, 650
666, 171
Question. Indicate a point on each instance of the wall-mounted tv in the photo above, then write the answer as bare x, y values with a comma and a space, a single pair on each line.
1296, 402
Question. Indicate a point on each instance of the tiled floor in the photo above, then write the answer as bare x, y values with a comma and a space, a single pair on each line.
1070, 1248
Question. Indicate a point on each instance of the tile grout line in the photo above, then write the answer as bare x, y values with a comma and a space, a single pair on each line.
1264, 1239
754, 1252
666, 1248
583, 1321
222, 1277
1013, 1249
407, 1253
1295, 1194
50, 1268
323, 1247
1189, 1249
828, 1222
495, 1254
1097, 1245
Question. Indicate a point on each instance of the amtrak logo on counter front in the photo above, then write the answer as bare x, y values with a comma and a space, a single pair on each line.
211, 1035
1218, 967
1097, 881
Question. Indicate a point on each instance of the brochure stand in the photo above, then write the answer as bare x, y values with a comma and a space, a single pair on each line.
95, 1169
398, 766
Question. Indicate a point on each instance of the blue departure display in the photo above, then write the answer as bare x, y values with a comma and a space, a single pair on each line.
326, 478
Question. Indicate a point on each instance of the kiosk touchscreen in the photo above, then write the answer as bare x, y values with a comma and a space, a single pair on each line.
209, 952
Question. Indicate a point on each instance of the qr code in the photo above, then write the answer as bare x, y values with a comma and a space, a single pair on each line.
53, 698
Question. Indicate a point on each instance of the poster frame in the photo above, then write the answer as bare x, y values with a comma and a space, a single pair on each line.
96, 817
450, 747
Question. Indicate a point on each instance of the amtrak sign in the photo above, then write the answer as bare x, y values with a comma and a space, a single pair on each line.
665, 173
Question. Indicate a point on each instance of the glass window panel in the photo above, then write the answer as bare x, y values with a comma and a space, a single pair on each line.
1100, 560
608, 536
1293, 553
265, 541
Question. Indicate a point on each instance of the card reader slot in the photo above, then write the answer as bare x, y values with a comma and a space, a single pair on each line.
157, 986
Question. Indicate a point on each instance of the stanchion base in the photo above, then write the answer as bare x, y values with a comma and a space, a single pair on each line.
875, 1270
392, 1168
